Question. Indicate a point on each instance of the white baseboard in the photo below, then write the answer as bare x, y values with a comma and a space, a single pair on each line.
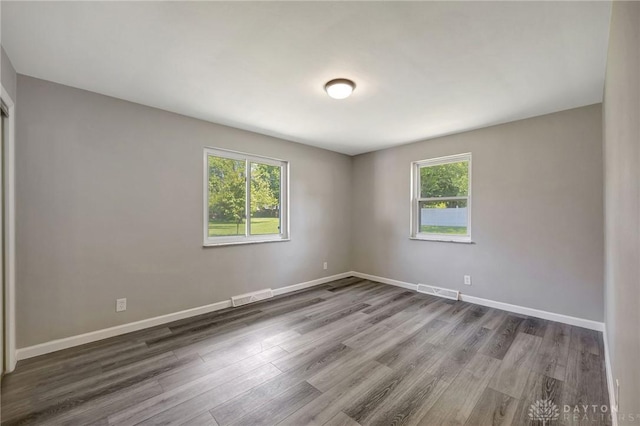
68, 342
93, 336
610, 382
307, 284
537, 313
105, 333
383, 280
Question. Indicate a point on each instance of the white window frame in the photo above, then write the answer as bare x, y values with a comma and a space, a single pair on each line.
284, 199
416, 199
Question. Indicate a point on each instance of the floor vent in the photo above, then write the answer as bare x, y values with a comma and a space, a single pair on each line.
437, 291
244, 299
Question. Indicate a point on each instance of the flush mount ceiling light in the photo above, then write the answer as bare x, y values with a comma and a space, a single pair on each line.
339, 88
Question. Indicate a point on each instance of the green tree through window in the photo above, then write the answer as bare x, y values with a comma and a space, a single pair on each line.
445, 180
441, 198
227, 193
227, 197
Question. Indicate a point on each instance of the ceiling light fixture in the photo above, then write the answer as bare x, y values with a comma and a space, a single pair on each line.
339, 88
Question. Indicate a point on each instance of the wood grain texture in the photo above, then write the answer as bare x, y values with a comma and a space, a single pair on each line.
494, 408
539, 388
535, 326
585, 340
503, 336
411, 403
348, 353
553, 354
362, 408
585, 382
449, 364
423, 316
514, 370
331, 402
341, 419
416, 342
195, 397
280, 407
458, 401
204, 419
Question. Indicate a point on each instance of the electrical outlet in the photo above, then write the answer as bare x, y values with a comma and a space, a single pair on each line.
121, 305
325, 265
467, 279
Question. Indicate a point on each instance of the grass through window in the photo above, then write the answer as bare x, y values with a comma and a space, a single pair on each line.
259, 225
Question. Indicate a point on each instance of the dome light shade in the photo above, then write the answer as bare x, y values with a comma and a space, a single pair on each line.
339, 88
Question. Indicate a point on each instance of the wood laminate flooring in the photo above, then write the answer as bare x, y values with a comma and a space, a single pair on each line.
351, 352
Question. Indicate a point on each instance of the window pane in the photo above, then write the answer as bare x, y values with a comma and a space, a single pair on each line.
444, 217
227, 197
445, 180
265, 199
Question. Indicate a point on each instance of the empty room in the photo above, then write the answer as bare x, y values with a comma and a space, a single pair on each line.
320, 213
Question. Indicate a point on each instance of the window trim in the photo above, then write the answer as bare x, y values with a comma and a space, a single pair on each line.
284, 234
414, 229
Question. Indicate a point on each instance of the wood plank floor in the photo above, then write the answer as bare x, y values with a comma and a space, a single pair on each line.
351, 352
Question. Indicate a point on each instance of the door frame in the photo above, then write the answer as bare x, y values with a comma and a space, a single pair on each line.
8, 169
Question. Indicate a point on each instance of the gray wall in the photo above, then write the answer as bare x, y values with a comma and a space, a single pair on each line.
109, 200
622, 203
109, 205
8, 75
529, 179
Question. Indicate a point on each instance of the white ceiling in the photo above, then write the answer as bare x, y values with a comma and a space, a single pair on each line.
422, 69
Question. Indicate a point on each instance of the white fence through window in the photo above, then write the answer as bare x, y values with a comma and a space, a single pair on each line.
443, 217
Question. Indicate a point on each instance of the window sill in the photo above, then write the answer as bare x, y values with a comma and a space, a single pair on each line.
443, 240
238, 243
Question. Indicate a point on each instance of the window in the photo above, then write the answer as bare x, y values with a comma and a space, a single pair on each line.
441, 199
239, 186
